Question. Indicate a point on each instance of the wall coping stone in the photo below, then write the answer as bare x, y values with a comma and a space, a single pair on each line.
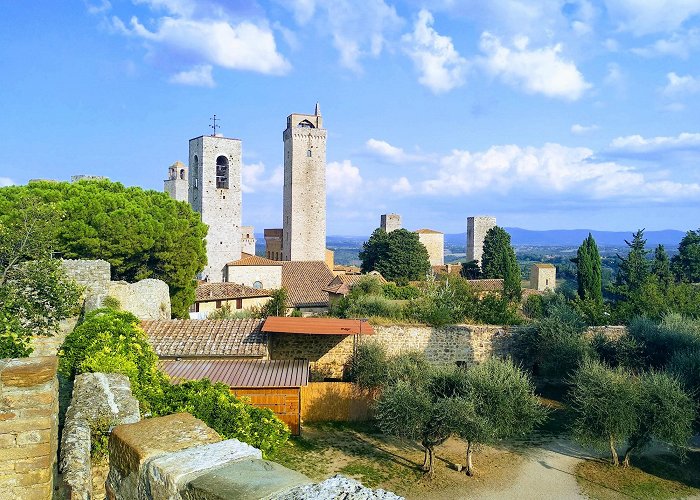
26, 372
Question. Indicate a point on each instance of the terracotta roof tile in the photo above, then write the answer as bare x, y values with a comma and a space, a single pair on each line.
188, 338
342, 284
305, 282
254, 260
221, 291
486, 285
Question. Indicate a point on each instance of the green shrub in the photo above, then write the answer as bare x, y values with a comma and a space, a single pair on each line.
222, 411
366, 306
534, 307
625, 351
494, 309
406, 292
111, 303
225, 312
660, 341
685, 366
368, 366
367, 285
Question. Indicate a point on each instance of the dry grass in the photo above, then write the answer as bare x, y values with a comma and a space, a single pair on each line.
654, 476
379, 461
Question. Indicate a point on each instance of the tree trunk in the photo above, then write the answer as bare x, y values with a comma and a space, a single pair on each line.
430, 462
626, 460
470, 467
425, 458
613, 452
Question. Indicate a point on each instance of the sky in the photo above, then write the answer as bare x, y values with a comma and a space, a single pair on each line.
548, 114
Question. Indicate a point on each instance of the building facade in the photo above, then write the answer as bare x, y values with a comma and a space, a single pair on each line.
215, 192
543, 277
477, 227
434, 243
248, 240
304, 195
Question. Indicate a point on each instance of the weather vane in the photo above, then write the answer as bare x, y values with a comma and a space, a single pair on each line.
214, 125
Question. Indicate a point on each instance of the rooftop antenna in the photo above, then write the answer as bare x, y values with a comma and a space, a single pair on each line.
214, 125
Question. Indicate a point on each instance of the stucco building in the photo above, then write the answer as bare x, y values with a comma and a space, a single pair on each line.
543, 277
434, 242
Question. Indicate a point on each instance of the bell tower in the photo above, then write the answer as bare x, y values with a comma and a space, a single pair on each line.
304, 197
215, 192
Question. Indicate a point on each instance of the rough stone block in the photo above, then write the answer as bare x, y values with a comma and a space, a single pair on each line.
36, 450
169, 473
27, 399
131, 444
35, 476
28, 372
7, 416
333, 488
7, 441
33, 437
25, 424
22, 466
244, 480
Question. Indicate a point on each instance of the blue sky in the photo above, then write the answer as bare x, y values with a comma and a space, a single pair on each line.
546, 114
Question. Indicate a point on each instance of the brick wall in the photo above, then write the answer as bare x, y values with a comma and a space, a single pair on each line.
28, 427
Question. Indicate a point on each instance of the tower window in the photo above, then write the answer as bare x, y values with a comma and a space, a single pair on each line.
308, 153
221, 172
257, 285
182, 173
305, 124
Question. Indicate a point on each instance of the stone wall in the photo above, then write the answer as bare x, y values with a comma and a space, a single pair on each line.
390, 222
147, 299
462, 344
28, 427
94, 275
100, 401
179, 457
327, 354
477, 227
434, 243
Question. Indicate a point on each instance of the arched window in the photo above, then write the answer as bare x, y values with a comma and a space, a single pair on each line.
182, 173
257, 285
308, 153
222, 172
305, 124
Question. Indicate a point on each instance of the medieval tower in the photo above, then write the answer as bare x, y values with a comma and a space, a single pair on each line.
390, 222
477, 227
215, 192
176, 185
304, 198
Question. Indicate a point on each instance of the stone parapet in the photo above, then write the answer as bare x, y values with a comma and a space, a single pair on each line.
100, 401
28, 427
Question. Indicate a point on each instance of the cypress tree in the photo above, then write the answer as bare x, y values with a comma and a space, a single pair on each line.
661, 267
634, 269
499, 262
589, 271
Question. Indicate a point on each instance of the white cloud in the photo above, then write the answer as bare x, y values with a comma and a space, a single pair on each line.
550, 170
402, 186
391, 153
579, 129
638, 144
643, 17
680, 85
98, 7
357, 30
677, 45
615, 77
6, 181
611, 45
206, 41
254, 178
440, 66
536, 71
199, 76
342, 178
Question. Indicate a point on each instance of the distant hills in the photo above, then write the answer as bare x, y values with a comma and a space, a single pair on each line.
554, 237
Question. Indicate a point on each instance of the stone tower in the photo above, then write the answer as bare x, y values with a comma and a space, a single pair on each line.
477, 227
176, 185
390, 222
215, 192
304, 200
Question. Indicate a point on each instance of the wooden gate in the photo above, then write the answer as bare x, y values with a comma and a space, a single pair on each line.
283, 401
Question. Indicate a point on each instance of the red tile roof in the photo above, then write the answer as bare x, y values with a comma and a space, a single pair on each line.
305, 283
206, 292
342, 283
240, 373
206, 338
486, 285
254, 260
317, 326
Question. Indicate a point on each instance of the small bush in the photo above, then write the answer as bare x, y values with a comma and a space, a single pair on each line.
406, 292
368, 366
624, 351
225, 312
111, 303
494, 309
366, 306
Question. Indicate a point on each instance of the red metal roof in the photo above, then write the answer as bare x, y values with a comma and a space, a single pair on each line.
317, 326
239, 373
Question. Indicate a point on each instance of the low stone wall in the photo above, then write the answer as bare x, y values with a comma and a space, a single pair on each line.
179, 457
100, 401
147, 299
462, 344
28, 427
94, 275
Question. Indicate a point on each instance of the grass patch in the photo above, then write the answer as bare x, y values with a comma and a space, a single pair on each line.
600, 480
